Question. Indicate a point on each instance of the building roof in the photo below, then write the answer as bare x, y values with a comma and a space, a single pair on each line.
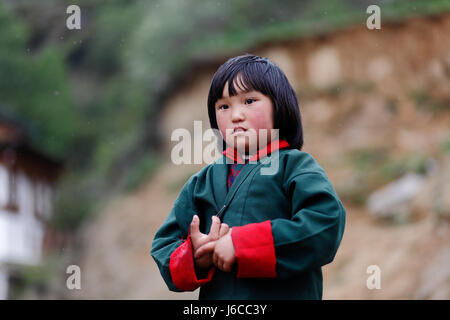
15, 151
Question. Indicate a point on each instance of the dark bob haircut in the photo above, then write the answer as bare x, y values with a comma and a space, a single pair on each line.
260, 74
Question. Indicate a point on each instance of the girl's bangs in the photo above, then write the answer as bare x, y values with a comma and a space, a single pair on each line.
244, 80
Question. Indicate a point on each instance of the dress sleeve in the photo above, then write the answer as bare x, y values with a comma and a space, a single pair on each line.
309, 239
173, 254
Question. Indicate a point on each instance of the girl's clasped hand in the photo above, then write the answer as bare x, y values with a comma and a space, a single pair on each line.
215, 248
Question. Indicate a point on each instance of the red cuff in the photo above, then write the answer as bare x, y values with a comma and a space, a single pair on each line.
182, 268
254, 250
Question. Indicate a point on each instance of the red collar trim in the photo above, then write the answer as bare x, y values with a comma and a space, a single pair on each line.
231, 153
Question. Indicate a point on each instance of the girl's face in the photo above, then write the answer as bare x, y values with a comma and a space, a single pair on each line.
240, 119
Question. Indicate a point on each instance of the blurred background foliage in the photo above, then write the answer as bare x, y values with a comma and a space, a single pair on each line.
91, 97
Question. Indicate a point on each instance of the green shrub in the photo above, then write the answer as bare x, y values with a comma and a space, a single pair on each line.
142, 171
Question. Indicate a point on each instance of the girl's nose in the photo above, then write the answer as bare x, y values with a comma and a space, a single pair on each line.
237, 114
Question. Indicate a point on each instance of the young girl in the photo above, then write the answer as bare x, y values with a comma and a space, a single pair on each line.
250, 235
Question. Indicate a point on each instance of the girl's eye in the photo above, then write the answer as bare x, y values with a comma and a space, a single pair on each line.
249, 101
223, 107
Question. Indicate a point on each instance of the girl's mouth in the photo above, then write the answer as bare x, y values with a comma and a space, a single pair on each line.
238, 130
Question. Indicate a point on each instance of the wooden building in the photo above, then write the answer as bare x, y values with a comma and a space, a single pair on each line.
27, 179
